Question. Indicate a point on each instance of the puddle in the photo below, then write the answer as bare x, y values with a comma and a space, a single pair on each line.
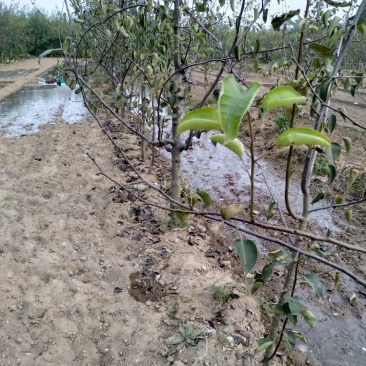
33, 105
338, 337
222, 174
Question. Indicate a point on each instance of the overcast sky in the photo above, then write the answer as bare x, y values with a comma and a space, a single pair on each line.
50, 5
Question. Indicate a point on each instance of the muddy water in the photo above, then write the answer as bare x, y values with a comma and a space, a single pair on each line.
339, 337
33, 105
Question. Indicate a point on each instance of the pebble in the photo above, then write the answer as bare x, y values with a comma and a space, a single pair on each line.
19, 340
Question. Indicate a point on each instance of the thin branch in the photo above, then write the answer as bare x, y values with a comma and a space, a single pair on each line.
351, 203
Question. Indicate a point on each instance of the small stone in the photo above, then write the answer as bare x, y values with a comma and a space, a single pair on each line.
225, 264
19, 340
148, 302
132, 256
170, 359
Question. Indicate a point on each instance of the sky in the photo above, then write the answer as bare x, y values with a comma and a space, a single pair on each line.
50, 5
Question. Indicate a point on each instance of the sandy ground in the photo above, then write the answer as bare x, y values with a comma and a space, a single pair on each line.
26, 71
90, 276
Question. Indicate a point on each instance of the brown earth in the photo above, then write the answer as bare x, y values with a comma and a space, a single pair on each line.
91, 276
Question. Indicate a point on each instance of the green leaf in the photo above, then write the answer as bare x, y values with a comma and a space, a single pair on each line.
256, 47
230, 211
324, 52
331, 174
270, 210
337, 279
302, 136
324, 90
281, 255
335, 37
318, 197
278, 21
255, 65
309, 317
282, 96
325, 17
236, 146
348, 215
237, 51
257, 285
172, 99
247, 252
264, 343
267, 270
316, 285
290, 340
205, 197
361, 24
332, 120
233, 104
347, 143
342, 112
298, 335
275, 65
193, 200
45, 53
265, 15
177, 340
232, 5
338, 4
333, 25
222, 2
200, 119
294, 303
333, 152
352, 176
182, 217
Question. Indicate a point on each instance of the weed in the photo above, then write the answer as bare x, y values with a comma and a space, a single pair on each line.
282, 123
221, 293
188, 335
221, 337
321, 165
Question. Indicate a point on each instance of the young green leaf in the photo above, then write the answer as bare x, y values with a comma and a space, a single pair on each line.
230, 211
318, 197
302, 136
325, 53
347, 143
352, 176
233, 104
333, 152
337, 279
257, 285
247, 252
348, 215
264, 343
361, 24
314, 282
289, 339
309, 317
332, 120
270, 210
236, 146
333, 25
278, 21
331, 174
282, 96
200, 119
205, 197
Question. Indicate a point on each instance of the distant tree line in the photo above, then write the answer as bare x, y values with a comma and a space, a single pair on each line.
27, 31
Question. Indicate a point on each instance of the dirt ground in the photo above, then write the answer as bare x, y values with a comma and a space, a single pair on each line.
91, 276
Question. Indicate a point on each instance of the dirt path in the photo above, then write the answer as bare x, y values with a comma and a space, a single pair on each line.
14, 76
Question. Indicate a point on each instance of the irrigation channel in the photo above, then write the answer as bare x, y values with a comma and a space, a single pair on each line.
339, 337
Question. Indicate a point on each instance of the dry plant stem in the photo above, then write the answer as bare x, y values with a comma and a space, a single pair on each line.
252, 167
351, 203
